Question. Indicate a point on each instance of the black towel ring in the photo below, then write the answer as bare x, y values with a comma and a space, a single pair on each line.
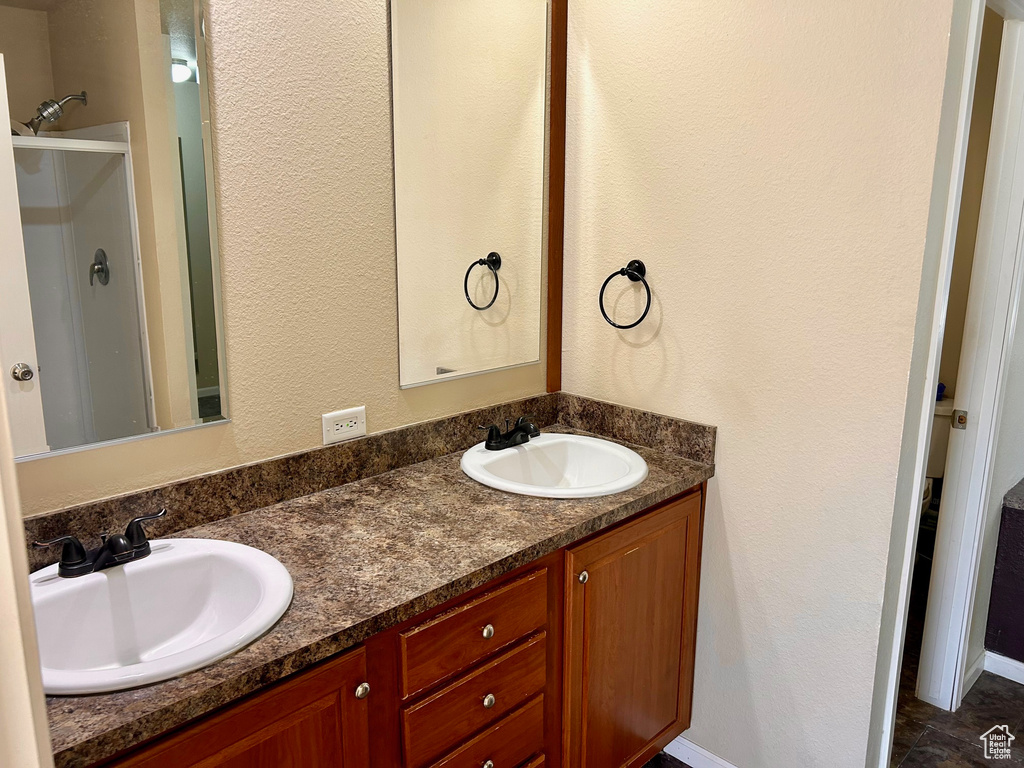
636, 272
493, 263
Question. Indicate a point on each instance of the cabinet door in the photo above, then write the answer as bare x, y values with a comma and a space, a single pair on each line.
312, 721
631, 610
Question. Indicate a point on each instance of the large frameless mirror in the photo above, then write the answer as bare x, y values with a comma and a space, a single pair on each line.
469, 85
109, 313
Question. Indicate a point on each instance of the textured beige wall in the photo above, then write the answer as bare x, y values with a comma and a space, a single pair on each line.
774, 170
970, 203
25, 45
302, 129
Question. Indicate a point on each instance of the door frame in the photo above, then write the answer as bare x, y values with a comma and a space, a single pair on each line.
946, 673
955, 565
21, 684
17, 344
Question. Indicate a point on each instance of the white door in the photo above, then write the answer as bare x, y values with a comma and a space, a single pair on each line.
988, 334
17, 336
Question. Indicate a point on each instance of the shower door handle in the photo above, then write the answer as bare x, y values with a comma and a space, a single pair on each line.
99, 268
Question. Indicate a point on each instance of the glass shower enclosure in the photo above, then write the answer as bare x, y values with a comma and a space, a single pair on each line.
85, 285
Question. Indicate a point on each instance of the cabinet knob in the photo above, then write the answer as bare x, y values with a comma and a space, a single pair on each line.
488, 764
488, 632
362, 690
489, 701
584, 577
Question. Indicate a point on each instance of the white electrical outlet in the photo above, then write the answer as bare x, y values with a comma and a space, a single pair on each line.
344, 425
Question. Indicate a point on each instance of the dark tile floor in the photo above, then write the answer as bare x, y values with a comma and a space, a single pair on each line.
929, 737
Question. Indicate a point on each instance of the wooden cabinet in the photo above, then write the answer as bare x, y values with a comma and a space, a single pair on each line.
475, 700
474, 681
631, 614
315, 720
539, 669
457, 639
511, 742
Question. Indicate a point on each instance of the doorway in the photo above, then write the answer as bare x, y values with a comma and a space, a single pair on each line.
972, 352
956, 348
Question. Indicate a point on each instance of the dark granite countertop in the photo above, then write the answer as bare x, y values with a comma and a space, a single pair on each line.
364, 557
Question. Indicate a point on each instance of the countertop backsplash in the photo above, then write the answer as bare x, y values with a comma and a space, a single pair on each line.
199, 500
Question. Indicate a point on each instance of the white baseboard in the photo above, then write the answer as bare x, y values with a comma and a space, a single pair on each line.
974, 670
1011, 669
695, 756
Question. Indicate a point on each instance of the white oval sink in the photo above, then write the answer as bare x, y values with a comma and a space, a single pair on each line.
557, 466
186, 605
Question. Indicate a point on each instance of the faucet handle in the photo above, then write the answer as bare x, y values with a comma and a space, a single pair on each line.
73, 552
136, 535
493, 434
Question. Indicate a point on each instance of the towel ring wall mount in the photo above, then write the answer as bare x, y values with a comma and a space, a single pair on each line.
493, 263
636, 271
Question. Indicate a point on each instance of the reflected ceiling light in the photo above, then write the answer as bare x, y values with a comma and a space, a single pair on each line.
180, 70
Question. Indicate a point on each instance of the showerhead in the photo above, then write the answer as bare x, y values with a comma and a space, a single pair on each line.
51, 111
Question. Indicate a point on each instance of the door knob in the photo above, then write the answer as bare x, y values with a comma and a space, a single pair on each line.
362, 690
22, 372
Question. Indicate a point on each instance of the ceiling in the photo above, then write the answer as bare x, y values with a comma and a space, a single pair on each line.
177, 19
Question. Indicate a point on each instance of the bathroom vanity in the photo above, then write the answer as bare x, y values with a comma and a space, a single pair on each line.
581, 658
435, 620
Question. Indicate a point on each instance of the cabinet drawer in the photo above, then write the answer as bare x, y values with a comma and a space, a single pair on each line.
459, 638
509, 743
433, 726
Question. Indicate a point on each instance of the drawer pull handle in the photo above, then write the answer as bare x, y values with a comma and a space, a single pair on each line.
488, 764
488, 634
362, 690
489, 701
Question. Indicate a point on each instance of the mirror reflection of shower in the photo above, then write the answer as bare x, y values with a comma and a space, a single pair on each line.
51, 111
117, 284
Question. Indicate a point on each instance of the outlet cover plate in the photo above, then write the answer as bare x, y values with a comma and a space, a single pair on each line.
344, 425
